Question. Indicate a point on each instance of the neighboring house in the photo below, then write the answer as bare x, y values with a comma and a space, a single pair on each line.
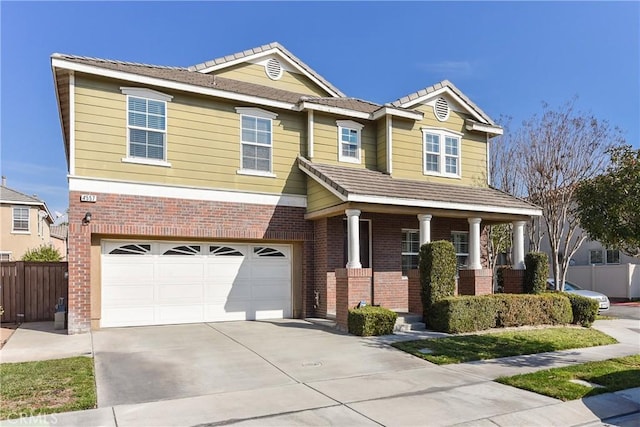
26, 223
59, 236
241, 188
602, 269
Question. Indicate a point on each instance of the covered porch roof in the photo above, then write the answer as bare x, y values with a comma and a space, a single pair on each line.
375, 191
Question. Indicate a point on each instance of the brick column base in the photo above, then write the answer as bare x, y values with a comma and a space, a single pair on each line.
352, 286
513, 281
475, 282
415, 292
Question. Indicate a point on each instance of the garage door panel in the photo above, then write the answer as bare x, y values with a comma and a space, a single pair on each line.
185, 282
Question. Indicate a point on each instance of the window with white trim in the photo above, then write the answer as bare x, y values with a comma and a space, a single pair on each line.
460, 240
146, 125
410, 250
595, 256
441, 154
256, 140
5, 256
613, 256
21, 219
349, 137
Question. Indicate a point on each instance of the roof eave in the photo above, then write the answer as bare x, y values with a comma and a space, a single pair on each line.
390, 111
481, 127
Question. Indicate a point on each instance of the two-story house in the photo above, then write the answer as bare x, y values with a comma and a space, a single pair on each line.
249, 187
26, 223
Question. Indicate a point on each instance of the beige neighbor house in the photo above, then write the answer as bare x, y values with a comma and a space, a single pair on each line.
249, 187
26, 224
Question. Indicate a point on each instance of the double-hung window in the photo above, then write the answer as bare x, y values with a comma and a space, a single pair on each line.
256, 140
349, 137
441, 152
146, 126
460, 240
20, 219
613, 256
410, 250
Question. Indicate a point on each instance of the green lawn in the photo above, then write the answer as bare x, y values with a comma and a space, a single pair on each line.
465, 348
35, 388
612, 374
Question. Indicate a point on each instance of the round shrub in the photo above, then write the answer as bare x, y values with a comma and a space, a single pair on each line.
370, 320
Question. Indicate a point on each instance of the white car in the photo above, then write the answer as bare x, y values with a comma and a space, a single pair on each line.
603, 300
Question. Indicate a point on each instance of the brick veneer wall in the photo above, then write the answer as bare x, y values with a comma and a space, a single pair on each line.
352, 286
513, 281
415, 292
475, 282
128, 216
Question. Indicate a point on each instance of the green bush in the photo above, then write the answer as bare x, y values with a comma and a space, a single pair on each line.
584, 309
370, 320
536, 272
500, 277
437, 272
476, 313
44, 253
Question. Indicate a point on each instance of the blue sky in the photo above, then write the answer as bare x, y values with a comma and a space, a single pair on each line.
508, 57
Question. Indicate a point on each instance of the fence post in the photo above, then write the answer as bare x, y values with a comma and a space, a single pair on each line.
20, 290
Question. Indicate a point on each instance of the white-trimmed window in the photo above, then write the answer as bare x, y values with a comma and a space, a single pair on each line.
256, 140
349, 137
20, 219
146, 126
5, 256
460, 240
410, 250
595, 256
613, 256
441, 152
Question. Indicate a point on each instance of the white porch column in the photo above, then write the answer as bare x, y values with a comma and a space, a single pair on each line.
353, 236
425, 228
474, 244
518, 245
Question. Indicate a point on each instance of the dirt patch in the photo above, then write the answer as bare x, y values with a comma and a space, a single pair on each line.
5, 333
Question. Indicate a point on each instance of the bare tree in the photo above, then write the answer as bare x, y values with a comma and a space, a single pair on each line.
556, 151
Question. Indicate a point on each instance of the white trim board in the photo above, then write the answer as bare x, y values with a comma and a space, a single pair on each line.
93, 185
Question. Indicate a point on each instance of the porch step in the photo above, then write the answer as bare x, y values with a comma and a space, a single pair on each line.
409, 322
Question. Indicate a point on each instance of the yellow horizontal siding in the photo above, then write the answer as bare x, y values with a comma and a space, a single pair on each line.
325, 142
319, 197
382, 144
408, 149
254, 73
203, 143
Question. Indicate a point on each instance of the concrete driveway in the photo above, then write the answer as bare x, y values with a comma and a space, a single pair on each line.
144, 364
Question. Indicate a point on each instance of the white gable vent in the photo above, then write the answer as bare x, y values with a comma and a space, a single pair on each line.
441, 109
273, 69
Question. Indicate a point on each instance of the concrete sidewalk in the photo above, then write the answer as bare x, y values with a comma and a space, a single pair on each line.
424, 394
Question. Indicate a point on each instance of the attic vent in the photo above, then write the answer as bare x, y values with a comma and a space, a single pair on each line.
273, 69
441, 109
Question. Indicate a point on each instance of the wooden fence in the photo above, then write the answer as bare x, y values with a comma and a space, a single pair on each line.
29, 291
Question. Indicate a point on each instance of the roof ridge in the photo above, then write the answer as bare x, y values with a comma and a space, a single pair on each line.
115, 61
259, 49
35, 199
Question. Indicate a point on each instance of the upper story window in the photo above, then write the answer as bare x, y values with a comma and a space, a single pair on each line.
349, 137
21, 219
146, 126
595, 256
441, 152
613, 256
256, 140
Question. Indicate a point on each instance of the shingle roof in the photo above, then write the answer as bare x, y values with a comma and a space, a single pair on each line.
260, 49
445, 83
365, 182
59, 231
8, 195
348, 103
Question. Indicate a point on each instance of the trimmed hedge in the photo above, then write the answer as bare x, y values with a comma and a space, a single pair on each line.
536, 272
584, 309
476, 313
370, 320
437, 271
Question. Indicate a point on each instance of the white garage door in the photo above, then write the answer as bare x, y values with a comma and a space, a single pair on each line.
155, 283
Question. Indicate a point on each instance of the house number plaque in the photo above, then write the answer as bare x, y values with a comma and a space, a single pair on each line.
91, 198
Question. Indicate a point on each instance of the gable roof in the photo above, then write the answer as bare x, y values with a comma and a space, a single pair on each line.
11, 196
369, 186
412, 99
260, 51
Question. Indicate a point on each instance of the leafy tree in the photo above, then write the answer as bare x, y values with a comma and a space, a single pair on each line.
609, 204
44, 253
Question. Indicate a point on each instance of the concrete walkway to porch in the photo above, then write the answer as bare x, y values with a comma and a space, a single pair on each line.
304, 374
